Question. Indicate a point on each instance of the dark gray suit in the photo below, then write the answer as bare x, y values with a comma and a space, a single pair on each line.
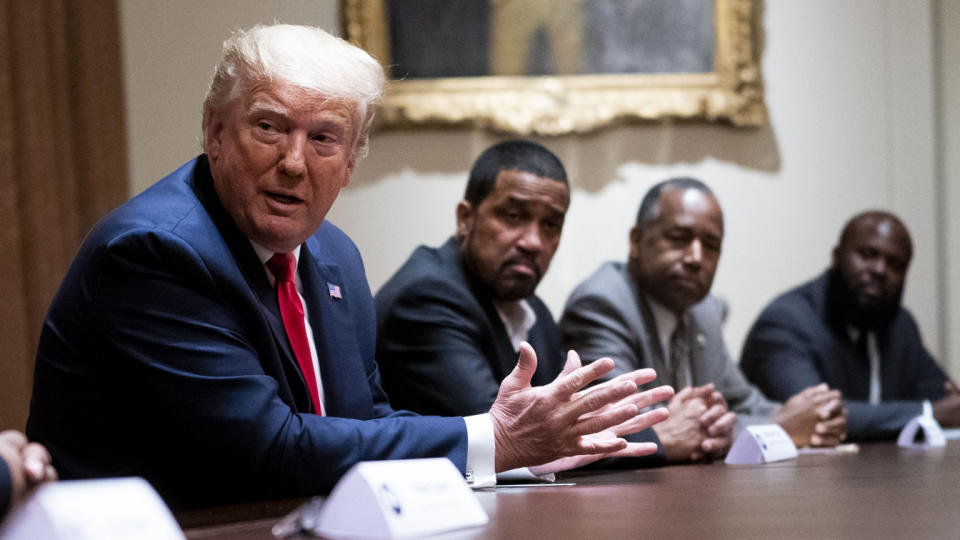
606, 316
796, 343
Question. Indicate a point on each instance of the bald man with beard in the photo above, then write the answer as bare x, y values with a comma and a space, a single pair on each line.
847, 328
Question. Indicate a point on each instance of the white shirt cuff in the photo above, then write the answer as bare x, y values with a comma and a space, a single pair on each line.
481, 452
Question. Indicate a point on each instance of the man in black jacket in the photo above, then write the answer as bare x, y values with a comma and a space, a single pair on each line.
848, 329
451, 320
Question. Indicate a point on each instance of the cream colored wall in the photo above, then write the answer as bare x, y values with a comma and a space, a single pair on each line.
948, 86
169, 50
850, 91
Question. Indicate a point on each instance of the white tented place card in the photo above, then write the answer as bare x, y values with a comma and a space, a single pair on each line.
108, 509
922, 432
399, 499
763, 443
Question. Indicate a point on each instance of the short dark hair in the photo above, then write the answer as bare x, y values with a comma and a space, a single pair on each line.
520, 155
650, 207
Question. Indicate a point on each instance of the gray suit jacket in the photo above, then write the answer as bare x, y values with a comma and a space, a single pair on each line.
606, 316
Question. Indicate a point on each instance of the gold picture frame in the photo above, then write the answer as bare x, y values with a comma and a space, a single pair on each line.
556, 105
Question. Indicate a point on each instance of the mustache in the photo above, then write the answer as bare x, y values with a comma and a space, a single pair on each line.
685, 274
863, 282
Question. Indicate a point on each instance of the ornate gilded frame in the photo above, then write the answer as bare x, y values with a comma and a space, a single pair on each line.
555, 105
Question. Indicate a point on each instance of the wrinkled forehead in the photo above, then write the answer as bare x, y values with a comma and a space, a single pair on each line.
260, 90
690, 207
519, 185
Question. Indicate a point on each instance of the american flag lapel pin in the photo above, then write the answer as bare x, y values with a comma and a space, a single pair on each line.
334, 291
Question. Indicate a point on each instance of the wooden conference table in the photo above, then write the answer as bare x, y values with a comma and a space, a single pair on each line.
882, 492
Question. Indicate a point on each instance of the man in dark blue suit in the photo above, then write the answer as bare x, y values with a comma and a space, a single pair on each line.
178, 349
848, 329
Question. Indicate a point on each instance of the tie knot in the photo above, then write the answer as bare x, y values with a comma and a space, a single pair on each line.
282, 265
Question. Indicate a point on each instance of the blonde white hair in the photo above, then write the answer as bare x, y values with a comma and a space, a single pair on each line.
303, 56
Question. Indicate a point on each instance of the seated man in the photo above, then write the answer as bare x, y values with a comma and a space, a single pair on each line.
846, 328
655, 311
23, 466
451, 320
215, 334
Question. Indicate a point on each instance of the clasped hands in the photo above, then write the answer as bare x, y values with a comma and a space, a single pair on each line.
699, 428
561, 425
814, 417
947, 409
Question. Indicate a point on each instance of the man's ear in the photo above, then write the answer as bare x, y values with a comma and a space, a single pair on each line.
213, 129
351, 163
465, 215
356, 152
636, 236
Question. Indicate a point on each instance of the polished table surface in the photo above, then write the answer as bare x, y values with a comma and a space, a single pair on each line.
882, 492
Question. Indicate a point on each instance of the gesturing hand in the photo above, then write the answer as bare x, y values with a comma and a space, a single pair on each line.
642, 400
536, 425
699, 427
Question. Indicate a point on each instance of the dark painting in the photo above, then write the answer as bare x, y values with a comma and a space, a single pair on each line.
466, 38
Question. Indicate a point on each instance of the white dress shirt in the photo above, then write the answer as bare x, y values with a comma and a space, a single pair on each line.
518, 318
873, 355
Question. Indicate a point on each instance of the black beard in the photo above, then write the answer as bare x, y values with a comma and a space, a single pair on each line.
492, 289
845, 305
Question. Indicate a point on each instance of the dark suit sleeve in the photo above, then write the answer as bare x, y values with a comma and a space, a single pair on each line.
927, 379
5, 488
431, 350
781, 356
177, 392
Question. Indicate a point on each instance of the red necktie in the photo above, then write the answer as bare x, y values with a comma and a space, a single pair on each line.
283, 266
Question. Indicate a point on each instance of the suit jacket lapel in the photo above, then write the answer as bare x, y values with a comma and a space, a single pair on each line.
345, 388
506, 357
650, 339
267, 296
256, 279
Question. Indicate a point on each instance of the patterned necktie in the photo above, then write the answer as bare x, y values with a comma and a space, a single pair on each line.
680, 357
283, 266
